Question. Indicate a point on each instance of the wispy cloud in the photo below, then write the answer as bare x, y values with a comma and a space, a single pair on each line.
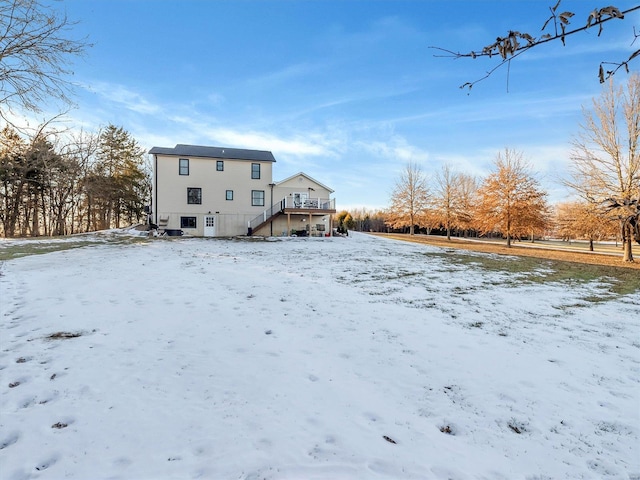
313, 144
395, 150
286, 74
123, 96
215, 99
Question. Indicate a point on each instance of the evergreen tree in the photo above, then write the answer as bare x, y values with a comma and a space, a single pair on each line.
118, 183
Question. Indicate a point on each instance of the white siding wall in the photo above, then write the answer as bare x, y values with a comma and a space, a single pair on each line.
299, 184
170, 195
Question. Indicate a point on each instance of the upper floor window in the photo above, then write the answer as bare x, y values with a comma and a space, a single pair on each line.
257, 198
194, 196
219, 165
255, 170
184, 166
229, 195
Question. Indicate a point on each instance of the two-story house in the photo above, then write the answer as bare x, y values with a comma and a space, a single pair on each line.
214, 191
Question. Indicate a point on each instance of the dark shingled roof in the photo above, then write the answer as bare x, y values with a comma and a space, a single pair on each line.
214, 152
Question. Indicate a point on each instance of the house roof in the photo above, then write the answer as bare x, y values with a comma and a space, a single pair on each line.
308, 178
214, 152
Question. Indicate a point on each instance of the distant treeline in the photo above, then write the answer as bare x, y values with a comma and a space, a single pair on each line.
55, 183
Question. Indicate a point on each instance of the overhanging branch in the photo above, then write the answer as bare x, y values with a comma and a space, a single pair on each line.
516, 43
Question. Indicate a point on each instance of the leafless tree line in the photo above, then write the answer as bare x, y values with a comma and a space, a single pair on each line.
57, 183
605, 176
509, 201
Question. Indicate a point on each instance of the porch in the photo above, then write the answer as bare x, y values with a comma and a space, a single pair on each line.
293, 215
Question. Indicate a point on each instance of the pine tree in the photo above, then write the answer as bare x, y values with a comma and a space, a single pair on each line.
12, 179
118, 184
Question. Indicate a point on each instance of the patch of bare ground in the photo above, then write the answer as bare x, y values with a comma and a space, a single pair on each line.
531, 250
63, 335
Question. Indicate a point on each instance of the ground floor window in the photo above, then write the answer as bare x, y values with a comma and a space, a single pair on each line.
229, 195
257, 198
188, 222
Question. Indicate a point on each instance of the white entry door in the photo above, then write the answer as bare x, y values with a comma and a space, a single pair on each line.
209, 226
300, 200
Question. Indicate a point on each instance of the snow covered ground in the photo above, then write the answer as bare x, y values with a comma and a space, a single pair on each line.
341, 358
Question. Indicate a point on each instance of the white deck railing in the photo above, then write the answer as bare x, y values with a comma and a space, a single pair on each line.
293, 203
311, 203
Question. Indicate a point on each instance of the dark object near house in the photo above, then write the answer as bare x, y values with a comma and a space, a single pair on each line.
172, 232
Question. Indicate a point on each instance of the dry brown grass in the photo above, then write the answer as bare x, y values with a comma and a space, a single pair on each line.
591, 258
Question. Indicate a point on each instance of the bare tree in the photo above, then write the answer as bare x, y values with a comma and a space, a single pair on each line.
606, 158
583, 220
444, 200
410, 198
467, 198
35, 55
510, 200
453, 199
515, 43
80, 150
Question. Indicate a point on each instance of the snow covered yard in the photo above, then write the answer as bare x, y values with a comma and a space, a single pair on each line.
341, 358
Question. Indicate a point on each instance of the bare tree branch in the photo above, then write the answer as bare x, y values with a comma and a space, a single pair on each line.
516, 43
35, 56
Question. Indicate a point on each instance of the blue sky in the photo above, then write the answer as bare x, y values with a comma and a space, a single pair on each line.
347, 91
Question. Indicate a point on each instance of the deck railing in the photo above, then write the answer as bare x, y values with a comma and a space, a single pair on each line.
267, 214
294, 203
311, 203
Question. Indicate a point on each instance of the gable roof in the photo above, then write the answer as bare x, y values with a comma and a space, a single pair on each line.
308, 178
214, 152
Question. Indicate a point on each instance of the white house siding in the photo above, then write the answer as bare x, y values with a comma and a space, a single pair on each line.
232, 216
300, 183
